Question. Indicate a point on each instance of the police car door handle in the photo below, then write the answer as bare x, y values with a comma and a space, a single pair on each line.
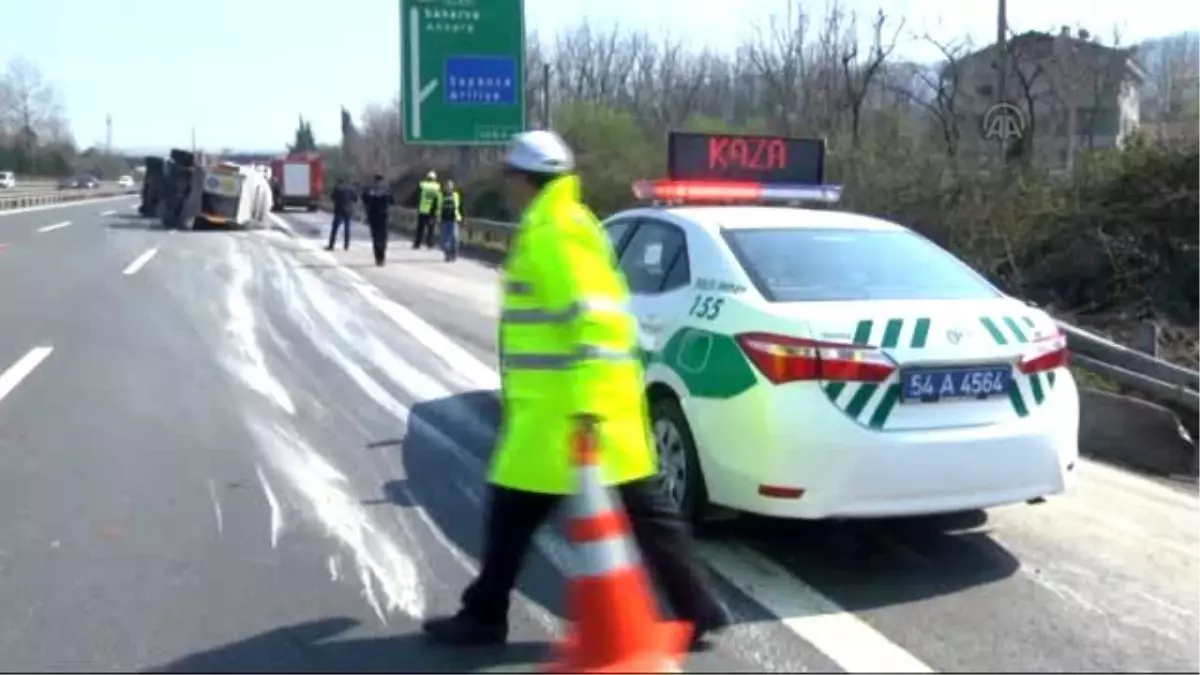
652, 323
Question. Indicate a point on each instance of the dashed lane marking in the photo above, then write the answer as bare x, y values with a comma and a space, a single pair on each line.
18, 371
139, 262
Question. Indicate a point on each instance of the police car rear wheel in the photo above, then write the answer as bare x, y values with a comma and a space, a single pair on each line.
679, 467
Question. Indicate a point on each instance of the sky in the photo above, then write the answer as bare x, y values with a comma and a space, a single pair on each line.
160, 68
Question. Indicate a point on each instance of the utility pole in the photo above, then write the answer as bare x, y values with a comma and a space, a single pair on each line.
108, 134
546, 122
1002, 68
193, 138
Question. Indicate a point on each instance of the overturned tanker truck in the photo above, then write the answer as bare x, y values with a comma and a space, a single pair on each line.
184, 193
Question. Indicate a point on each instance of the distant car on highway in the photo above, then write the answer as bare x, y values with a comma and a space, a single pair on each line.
80, 181
125, 182
8, 180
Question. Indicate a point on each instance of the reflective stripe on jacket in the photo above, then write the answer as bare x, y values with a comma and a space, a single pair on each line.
430, 192
440, 209
567, 347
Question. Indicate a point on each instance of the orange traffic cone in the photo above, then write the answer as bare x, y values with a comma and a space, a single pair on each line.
616, 627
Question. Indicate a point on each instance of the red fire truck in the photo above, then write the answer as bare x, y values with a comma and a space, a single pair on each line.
298, 180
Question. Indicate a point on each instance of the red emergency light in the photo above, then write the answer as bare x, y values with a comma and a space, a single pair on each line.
737, 192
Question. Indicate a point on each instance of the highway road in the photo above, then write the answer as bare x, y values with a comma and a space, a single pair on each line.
232, 451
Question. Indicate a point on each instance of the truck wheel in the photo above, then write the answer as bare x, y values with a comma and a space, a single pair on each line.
678, 462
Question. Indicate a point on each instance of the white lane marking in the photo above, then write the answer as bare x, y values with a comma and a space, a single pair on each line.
108, 213
56, 226
18, 371
139, 262
46, 207
851, 643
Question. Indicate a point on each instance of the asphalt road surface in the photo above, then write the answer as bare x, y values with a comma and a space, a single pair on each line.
231, 451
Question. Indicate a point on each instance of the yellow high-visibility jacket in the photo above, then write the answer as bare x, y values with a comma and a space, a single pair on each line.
430, 191
567, 347
441, 202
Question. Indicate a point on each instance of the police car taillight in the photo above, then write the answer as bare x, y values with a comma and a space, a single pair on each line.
1046, 354
687, 191
783, 359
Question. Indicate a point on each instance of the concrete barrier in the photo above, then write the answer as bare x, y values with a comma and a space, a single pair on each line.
1135, 433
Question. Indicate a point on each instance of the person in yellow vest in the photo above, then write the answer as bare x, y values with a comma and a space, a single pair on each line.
449, 208
430, 191
568, 363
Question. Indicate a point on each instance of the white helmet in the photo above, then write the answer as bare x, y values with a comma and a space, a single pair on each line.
540, 152
432, 175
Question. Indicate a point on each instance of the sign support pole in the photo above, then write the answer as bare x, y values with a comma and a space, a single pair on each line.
1002, 64
464, 165
547, 123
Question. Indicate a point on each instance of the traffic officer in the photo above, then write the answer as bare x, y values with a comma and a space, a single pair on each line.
450, 209
377, 202
567, 357
427, 210
344, 199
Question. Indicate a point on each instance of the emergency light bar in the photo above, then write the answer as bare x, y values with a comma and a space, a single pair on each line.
687, 191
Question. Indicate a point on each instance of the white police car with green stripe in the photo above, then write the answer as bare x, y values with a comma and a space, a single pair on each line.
822, 364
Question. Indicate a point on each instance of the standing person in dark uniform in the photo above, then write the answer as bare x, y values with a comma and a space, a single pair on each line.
344, 198
377, 200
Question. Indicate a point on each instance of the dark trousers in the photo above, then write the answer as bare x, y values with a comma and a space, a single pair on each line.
379, 240
450, 239
662, 537
342, 219
425, 225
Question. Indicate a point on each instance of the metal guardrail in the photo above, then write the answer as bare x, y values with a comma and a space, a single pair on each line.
1155, 378
19, 201
40, 185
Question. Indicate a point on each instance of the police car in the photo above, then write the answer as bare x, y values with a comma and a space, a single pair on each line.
810, 363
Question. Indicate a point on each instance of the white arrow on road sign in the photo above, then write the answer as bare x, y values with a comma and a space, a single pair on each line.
418, 94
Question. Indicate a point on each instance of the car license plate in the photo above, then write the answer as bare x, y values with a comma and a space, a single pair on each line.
928, 385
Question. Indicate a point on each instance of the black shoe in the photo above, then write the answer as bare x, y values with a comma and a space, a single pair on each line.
462, 631
329, 248
702, 629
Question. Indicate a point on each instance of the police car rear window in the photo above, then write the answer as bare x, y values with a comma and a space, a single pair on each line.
811, 264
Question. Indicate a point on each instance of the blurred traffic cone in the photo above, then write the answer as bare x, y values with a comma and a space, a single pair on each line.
616, 627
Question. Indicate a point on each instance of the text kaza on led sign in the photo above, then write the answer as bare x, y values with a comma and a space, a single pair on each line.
758, 159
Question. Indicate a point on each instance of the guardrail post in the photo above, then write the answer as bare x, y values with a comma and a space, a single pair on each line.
1147, 339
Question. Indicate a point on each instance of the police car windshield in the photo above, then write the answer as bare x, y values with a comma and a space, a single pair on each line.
810, 264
